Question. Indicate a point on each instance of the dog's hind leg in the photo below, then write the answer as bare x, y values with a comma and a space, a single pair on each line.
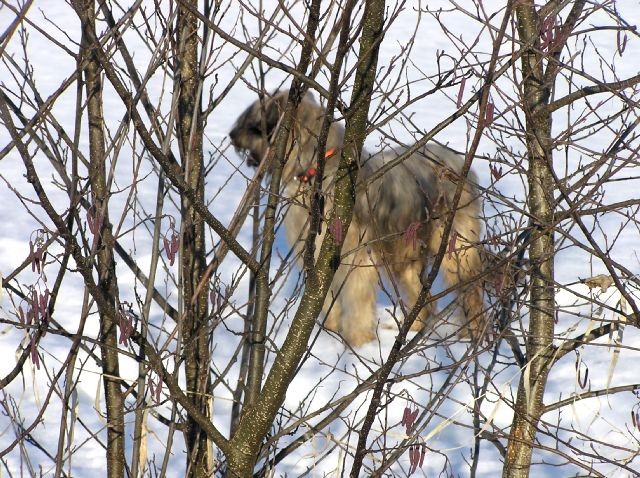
356, 286
409, 278
462, 265
333, 311
358, 303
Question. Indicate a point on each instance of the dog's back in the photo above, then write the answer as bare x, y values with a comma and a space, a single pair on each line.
419, 190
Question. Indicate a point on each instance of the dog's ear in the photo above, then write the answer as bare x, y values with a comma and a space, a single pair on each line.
310, 97
281, 96
274, 108
276, 104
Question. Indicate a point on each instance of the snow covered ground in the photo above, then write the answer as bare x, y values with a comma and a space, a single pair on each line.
330, 370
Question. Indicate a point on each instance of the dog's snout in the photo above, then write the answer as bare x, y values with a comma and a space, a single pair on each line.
233, 134
253, 161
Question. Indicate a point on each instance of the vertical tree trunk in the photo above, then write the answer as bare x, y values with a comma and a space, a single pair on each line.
103, 247
193, 258
257, 419
263, 289
536, 94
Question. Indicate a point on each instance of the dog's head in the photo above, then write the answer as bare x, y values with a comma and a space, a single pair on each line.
254, 128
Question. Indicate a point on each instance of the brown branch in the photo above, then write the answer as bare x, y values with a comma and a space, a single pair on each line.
591, 394
170, 168
572, 344
561, 36
277, 158
294, 72
11, 29
613, 87
28, 127
393, 355
85, 269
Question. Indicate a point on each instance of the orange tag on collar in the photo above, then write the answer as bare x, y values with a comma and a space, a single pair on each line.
330, 153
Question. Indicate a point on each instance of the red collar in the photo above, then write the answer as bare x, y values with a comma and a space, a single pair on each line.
306, 176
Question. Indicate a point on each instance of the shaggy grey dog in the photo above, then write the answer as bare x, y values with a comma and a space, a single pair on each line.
397, 222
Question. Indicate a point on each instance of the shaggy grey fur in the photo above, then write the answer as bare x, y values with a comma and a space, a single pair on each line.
417, 192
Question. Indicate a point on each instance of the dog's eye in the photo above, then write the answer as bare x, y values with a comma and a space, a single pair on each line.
257, 130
